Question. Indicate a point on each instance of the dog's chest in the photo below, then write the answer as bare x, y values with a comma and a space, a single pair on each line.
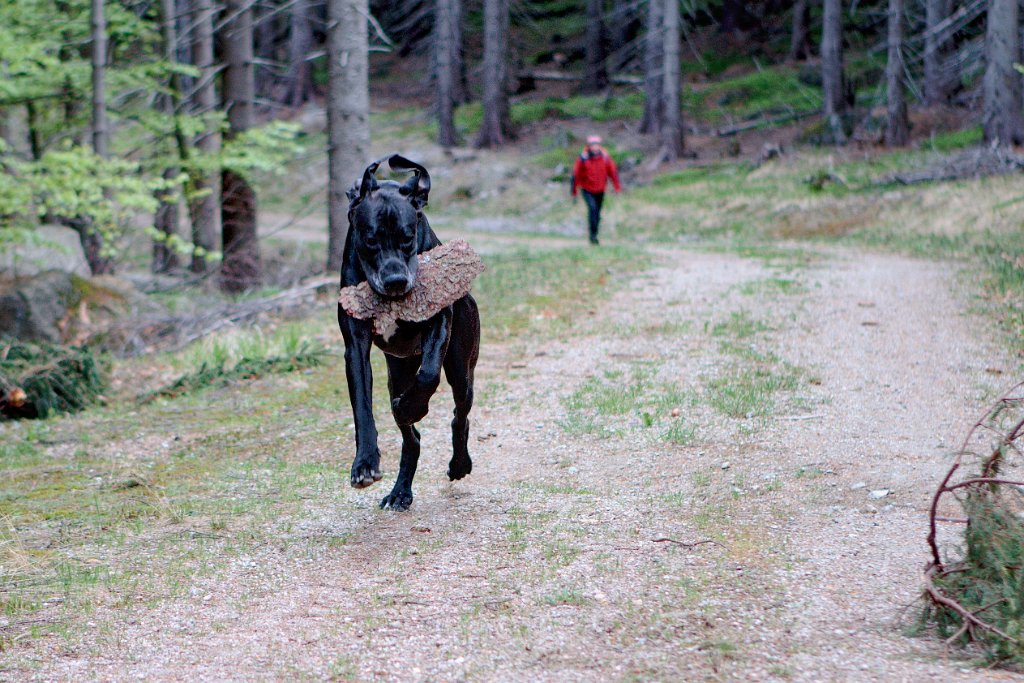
404, 341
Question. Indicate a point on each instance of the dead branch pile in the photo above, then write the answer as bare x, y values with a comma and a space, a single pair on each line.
974, 586
38, 380
973, 163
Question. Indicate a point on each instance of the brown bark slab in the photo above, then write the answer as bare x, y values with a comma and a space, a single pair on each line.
445, 275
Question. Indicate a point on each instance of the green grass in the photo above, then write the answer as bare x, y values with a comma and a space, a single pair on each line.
468, 117
768, 92
616, 402
527, 290
956, 139
750, 392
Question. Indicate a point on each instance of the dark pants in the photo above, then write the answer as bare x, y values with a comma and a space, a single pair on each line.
594, 201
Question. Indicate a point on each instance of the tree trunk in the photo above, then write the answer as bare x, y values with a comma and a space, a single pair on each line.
300, 41
1002, 116
654, 62
165, 220
731, 10
444, 71
800, 40
672, 130
240, 267
832, 80
897, 127
205, 185
92, 241
100, 125
348, 114
622, 24
937, 77
460, 89
595, 78
495, 128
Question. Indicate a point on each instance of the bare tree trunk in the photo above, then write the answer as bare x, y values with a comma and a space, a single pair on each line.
240, 267
897, 127
672, 130
165, 220
35, 137
800, 40
595, 78
444, 72
495, 128
937, 79
731, 10
100, 125
1002, 116
460, 89
205, 185
92, 241
621, 21
300, 41
348, 114
832, 80
654, 63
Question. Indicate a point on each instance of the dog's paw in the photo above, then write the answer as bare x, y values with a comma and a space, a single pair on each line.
408, 412
457, 469
364, 474
397, 500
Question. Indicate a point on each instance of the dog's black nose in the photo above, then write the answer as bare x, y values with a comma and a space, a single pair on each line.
395, 284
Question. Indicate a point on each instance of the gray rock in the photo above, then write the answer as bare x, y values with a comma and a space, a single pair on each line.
32, 308
49, 247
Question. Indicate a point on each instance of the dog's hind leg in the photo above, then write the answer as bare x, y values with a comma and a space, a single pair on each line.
459, 367
401, 375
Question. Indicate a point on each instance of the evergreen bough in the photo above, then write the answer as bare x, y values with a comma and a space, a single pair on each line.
974, 591
40, 380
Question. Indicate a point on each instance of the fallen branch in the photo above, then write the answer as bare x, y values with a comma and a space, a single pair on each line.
685, 544
142, 335
543, 75
765, 122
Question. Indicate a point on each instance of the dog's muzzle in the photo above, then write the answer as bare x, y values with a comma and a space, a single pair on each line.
394, 279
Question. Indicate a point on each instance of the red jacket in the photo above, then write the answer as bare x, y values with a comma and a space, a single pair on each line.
592, 173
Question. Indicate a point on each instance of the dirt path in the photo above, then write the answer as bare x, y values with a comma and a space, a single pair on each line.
550, 562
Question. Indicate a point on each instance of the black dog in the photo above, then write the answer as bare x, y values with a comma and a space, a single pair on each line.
387, 229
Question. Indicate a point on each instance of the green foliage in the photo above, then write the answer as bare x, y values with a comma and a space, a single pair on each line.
72, 182
55, 379
265, 149
990, 580
766, 92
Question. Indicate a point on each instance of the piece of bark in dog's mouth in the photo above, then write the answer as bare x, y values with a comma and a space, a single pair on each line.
444, 276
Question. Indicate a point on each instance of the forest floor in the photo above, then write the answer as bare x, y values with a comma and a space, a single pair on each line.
740, 540
702, 451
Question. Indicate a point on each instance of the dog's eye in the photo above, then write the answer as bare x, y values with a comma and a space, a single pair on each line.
370, 241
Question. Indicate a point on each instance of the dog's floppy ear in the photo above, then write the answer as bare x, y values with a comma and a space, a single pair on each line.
368, 184
417, 188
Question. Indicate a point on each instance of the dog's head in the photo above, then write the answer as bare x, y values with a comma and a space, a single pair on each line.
385, 219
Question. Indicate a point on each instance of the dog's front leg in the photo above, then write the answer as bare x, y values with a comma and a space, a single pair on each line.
413, 404
358, 341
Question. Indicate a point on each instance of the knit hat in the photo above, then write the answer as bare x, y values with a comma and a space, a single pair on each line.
593, 139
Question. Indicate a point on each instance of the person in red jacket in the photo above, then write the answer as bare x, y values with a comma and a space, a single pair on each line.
591, 173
